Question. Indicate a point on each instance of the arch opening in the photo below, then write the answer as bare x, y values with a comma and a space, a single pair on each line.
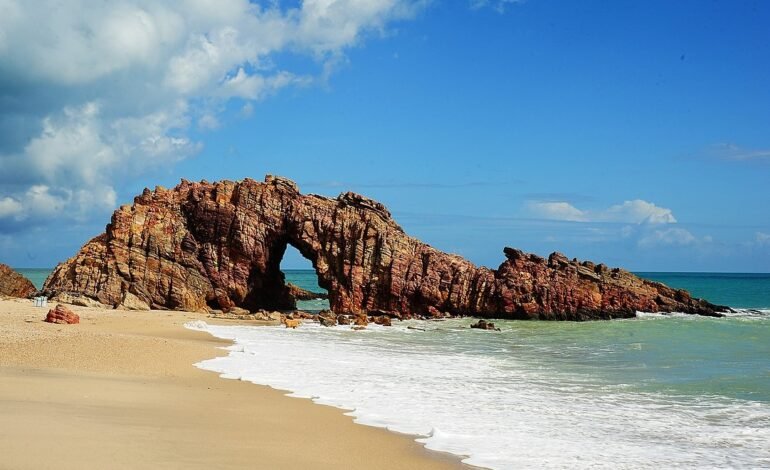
298, 271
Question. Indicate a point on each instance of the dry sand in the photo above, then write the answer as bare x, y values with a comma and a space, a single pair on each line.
119, 391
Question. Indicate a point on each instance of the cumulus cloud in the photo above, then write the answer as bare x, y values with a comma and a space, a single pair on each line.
636, 211
94, 92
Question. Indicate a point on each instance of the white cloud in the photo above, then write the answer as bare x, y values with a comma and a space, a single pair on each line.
497, 5
638, 211
762, 239
633, 212
559, 211
41, 201
101, 91
669, 236
9, 207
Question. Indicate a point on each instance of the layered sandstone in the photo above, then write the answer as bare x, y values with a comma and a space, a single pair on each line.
219, 245
62, 315
13, 284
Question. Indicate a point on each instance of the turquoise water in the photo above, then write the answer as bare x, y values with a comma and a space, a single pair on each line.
307, 279
36, 275
741, 290
304, 278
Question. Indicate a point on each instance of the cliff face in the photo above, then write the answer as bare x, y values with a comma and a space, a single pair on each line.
14, 284
219, 245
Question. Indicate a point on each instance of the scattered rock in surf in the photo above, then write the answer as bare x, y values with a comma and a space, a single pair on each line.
383, 320
435, 313
360, 320
327, 318
302, 315
484, 325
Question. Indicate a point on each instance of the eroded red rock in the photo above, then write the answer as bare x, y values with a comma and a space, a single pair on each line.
13, 284
62, 315
219, 245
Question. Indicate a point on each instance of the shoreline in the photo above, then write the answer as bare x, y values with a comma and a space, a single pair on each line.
120, 390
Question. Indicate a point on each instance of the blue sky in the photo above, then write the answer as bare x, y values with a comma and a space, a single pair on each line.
633, 133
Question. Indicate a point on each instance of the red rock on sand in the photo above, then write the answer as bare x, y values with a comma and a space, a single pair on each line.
62, 315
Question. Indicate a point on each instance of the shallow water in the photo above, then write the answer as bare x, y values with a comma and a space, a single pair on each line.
645, 393
656, 391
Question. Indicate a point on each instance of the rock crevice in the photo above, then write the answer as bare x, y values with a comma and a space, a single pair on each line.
219, 245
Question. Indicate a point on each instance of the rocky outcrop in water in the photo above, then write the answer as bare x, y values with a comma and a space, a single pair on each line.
219, 245
303, 294
13, 284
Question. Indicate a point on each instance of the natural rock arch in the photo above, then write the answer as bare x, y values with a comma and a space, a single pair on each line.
219, 245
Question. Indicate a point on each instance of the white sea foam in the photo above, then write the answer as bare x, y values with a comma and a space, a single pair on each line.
461, 393
737, 312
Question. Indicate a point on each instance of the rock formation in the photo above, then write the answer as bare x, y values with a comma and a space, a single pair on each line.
62, 315
484, 325
219, 245
303, 294
13, 284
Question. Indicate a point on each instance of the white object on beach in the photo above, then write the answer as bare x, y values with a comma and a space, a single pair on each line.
197, 325
41, 301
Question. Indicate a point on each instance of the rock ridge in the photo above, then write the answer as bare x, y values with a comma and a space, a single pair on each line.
202, 246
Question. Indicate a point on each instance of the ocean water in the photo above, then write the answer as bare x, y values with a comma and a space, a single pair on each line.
658, 391
36, 275
307, 279
739, 290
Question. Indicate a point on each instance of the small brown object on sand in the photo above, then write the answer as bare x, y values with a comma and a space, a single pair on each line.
62, 315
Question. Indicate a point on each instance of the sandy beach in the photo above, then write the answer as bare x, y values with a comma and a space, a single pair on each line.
119, 391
